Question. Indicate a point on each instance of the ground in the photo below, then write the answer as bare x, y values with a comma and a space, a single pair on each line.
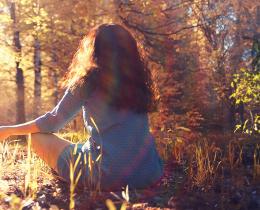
27, 183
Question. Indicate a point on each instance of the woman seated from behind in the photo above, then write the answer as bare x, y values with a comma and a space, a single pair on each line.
108, 81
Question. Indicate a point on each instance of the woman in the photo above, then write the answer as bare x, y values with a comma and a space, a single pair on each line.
108, 80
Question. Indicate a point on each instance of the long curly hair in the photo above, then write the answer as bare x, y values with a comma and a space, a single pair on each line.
108, 59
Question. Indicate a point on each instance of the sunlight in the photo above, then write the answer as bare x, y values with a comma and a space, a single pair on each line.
132, 104
7, 57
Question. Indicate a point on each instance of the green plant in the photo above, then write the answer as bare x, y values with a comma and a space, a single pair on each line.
246, 92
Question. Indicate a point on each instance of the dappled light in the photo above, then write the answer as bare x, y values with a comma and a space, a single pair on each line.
129, 104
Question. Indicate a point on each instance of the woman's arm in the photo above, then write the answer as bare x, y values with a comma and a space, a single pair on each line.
65, 110
20, 129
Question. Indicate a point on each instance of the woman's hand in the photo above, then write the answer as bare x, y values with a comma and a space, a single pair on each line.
4, 133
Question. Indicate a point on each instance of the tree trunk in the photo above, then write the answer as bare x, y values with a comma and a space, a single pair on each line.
54, 69
54, 74
20, 106
55, 94
37, 77
258, 16
232, 116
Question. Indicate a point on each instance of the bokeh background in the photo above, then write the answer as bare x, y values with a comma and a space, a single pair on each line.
203, 55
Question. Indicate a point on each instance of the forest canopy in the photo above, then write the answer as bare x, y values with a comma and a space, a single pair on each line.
204, 56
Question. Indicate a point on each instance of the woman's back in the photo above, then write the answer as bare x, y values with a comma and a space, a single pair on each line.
128, 147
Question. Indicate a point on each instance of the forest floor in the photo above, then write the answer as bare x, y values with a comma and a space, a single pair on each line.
187, 184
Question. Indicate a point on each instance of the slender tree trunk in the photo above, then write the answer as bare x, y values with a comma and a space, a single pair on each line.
54, 75
55, 94
258, 16
231, 117
54, 69
20, 106
37, 77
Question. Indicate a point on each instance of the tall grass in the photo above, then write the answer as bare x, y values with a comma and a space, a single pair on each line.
74, 178
17, 161
15, 157
89, 168
204, 160
257, 161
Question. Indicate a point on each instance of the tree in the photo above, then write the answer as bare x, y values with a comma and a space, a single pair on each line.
20, 104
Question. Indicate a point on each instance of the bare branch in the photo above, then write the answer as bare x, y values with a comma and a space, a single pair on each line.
147, 31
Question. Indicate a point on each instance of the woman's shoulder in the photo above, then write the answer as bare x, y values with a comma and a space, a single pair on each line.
86, 86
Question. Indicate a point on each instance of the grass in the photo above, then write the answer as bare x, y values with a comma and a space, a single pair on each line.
223, 173
17, 163
203, 163
17, 157
206, 163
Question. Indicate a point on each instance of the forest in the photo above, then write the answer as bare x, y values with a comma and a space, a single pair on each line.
204, 58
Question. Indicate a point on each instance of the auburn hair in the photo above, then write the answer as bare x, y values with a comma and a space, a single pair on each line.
108, 60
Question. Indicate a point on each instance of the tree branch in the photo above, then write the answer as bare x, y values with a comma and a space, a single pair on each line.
147, 31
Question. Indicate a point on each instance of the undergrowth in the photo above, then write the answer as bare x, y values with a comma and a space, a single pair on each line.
205, 163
